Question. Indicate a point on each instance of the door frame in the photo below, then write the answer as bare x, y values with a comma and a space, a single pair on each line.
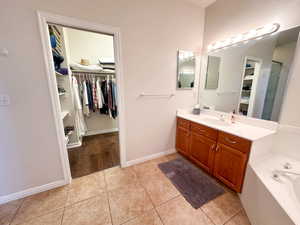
44, 18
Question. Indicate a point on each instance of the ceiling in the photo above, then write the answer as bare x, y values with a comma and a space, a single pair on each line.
202, 3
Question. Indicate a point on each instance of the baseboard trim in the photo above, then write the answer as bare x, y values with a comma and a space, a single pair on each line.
105, 131
32, 191
149, 157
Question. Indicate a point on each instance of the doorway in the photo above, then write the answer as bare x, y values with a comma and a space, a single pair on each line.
272, 90
94, 140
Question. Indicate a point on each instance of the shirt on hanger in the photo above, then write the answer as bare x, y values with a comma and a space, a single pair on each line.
86, 110
99, 94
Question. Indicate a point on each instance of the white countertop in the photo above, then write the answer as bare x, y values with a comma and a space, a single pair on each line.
242, 130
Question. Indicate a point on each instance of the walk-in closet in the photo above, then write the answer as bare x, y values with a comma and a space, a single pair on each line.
87, 91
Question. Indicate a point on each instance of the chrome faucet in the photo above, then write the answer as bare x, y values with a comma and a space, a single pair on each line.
287, 166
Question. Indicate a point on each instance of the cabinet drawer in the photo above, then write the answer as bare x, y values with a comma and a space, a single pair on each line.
183, 123
204, 130
235, 142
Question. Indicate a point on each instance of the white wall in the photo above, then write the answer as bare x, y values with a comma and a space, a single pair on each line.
89, 45
98, 123
226, 18
152, 31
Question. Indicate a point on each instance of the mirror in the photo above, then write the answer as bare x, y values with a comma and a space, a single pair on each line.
212, 72
186, 64
250, 78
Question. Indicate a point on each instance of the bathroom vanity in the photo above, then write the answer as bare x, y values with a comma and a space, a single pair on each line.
220, 148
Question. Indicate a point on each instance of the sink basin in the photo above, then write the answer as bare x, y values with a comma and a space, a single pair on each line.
216, 122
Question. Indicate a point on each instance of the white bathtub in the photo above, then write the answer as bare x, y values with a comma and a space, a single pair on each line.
268, 201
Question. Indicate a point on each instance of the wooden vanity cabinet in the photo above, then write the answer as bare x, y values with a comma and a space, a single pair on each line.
204, 138
183, 136
220, 154
229, 166
205, 157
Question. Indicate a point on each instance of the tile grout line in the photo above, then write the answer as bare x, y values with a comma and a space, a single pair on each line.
154, 207
226, 221
163, 203
62, 217
15, 214
232, 216
107, 195
94, 196
64, 209
138, 182
39, 216
210, 219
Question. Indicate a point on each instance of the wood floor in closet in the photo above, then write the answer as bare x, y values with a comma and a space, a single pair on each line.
98, 152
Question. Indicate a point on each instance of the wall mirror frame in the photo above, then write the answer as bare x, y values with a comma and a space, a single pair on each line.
186, 70
250, 78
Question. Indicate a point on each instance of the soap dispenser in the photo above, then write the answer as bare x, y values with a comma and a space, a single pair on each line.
196, 109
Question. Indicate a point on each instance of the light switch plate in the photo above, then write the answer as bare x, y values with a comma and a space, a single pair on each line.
4, 100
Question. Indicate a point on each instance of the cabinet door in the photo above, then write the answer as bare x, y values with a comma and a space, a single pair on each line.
202, 151
182, 140
229, 166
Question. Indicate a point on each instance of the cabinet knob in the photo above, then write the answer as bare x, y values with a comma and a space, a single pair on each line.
217, 148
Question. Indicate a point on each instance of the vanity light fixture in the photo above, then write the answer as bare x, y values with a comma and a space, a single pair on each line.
256, 34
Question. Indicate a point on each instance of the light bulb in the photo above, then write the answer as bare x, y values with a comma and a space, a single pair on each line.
238, 38
251, 34
210, 47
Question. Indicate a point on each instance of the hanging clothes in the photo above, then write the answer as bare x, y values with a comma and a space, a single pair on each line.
114, 99
94, 93
90, 95
99, 94
78, 108
85, 99
104, 109
109, 93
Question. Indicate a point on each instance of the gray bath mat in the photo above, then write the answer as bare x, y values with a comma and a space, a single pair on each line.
195, 185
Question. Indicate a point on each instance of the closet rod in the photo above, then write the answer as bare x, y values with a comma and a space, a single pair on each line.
77, 72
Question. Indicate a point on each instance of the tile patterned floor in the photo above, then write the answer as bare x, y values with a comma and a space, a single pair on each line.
138, 195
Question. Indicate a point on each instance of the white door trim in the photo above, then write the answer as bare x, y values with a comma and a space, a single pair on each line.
45, 18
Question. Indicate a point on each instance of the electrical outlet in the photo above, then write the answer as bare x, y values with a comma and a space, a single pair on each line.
4, 100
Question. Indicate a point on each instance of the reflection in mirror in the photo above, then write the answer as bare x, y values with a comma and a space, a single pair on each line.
212, 73
186, 63
250, 79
